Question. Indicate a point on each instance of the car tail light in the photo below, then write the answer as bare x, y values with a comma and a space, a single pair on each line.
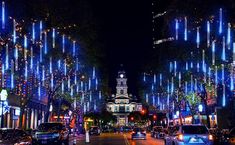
144, 132
210, 137
133, 132
180, 137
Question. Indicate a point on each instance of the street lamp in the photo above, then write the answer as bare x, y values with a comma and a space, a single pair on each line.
200, 109
3, 97
51, 107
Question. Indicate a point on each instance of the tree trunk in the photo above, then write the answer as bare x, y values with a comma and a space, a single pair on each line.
47, 114
180, 115
21, 117
206, 106
58, 112
207, 114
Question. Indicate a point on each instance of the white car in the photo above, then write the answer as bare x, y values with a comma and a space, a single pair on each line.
189, 135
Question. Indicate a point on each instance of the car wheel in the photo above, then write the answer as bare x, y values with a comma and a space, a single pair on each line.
60, 143
66, 142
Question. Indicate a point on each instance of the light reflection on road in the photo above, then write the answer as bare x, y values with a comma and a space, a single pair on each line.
149, 141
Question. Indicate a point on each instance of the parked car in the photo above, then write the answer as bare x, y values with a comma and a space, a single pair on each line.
51, 133
189, 134
14, 136
157, 131
138, 133
232, 137
108, 129
94, 130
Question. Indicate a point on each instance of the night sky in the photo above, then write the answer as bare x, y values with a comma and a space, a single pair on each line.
126, 31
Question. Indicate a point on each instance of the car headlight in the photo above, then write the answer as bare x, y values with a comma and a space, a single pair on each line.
23, 143
34, 135
56, 135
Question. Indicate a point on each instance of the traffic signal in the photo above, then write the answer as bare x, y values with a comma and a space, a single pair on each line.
132, 118
154, 117
143, 111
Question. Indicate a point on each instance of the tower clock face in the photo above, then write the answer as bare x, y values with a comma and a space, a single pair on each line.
121, 75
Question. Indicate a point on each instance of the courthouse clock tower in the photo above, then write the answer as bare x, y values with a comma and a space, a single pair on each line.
122, 103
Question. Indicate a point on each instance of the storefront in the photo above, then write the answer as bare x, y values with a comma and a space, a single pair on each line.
32, 115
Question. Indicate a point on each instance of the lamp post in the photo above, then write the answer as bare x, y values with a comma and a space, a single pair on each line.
200, 109
2, 117
3, 97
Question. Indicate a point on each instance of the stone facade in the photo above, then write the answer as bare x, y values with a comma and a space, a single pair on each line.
122, 103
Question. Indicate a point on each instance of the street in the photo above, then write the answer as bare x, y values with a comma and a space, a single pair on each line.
116, 139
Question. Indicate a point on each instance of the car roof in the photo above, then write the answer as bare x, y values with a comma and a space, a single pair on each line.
158, 126
138, 127
52, 123
193, 125
10, 129
94, 126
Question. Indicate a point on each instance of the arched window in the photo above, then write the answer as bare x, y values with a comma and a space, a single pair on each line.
121, 92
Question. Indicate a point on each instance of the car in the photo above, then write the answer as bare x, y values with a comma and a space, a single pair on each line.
231, 140
10, 136
157, 132
127, 129
138, 133
94, 130
189, 135
51, 133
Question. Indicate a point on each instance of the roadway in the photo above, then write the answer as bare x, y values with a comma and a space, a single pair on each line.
115, 139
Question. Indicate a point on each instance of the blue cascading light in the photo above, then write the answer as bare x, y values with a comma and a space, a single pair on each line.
220, 20
185, 29
176, 29
3, 15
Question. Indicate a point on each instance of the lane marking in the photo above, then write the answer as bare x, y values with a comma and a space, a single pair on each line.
126, 140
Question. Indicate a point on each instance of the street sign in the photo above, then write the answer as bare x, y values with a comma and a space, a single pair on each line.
3, 95
5, 108
213, 116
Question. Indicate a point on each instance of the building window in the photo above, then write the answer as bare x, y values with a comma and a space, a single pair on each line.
121, 92
116, 108
133, 108
121, 83
127, 108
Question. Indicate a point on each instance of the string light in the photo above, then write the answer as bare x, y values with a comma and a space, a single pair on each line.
3, 15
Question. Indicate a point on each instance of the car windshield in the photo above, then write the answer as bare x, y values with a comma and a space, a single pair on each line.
50, 126
232, 132
93, 128
194, 130
11, 134
138, 129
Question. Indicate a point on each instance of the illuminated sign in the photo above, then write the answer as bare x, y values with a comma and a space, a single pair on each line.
3, 95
